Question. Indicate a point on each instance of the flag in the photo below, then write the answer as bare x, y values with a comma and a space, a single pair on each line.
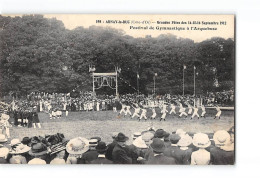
184, 67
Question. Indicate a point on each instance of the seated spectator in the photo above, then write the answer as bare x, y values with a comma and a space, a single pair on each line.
221, 154
201, 156
101, 159
3, 155
76, 147
119, 154
158, 148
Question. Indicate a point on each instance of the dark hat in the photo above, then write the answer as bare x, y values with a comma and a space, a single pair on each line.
98, 138
101, 147
121, 137
26, 140
174, 138
166, 136
38, 149
158, 145
159, 133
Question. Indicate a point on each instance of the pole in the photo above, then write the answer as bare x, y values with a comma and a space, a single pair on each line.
154, 84
194, 80
116, 85
183, 83
93, 83
137, 83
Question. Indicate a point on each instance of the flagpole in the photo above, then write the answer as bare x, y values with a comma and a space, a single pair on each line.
194, 81
154, 84
138, 83
183, 82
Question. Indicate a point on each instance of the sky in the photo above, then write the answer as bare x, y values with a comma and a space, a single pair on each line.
225, 30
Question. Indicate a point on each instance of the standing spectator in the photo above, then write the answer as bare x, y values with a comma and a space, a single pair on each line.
183, 153
110, 147
158, 149
170, 151
91, 154
76, 147
221, 154
201, 156
119, 153
3, 155
101, 159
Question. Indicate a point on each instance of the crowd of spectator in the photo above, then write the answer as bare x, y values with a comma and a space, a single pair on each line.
147, 147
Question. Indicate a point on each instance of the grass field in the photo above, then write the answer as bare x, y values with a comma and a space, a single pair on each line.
103, 123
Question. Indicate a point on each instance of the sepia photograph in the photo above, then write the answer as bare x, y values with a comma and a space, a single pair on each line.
117, 89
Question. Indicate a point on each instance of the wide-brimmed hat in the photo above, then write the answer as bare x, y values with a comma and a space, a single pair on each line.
221, 138
139, 143
185, 141
78, 145
101, 147
37, 161
15, 142
3, 138
136, 134
98, 138
201, 140
158, 145
147, 136
160, 133
20, 149
4, 152
121, 137
174, 138
38, 149
180, 132
114, 135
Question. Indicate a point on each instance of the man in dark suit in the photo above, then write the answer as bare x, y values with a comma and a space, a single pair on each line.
110, 147
170, 151
159, 158
120, 153
101, 149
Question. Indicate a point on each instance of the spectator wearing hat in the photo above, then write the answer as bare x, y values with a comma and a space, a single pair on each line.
167, 139
201, 156
58, 150
141, 148
76, 147
132, 149
3, 155
119, 154
148, 136
222, 154
101, 159
4, 124
59, 159
111, 146
159, 158
39, 153
170, 151
183, 152
91, 154
18, 150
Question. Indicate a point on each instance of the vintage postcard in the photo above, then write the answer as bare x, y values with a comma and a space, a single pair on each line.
117, 89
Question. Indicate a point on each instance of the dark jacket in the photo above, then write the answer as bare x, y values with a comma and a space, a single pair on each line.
183, 157
110, 148
88, 156
221, 157
101, 160
120, 156
161, 160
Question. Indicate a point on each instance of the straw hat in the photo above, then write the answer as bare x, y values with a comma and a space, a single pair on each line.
15, 142
93, 142
20, 149
180, 132
78, 145
4, 152
185, 141
147, 136
3, 138
136, 135
221, 138
37, 161
139, 143
201, 140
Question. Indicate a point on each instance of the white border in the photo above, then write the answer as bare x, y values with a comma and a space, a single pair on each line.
247, 86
